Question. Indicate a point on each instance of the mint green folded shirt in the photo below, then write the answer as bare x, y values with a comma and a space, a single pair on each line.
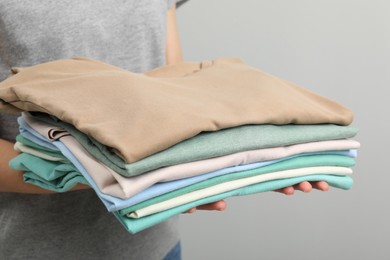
293, 163
209, 144
137, 225
38, 147
50, 175
236, 184
61, 185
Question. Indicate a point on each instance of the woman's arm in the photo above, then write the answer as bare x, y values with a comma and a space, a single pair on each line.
11, 180
173, 53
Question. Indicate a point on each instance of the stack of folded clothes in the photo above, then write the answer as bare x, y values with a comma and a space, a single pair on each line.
153, 145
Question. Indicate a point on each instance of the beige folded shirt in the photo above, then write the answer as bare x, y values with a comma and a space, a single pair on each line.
142, 114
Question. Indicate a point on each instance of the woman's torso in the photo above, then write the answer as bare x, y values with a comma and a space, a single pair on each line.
128, 34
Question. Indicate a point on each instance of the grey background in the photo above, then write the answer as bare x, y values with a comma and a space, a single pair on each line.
339, 49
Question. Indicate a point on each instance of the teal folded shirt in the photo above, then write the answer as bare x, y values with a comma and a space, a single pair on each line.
50, 175
209, 144
137, 225
60, 185
293, 163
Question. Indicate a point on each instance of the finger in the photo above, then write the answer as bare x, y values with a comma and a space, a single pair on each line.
320, 185
304, 186
286, 190
191, 210
218, 205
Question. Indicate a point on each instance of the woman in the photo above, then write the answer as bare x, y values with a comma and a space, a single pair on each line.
135, 35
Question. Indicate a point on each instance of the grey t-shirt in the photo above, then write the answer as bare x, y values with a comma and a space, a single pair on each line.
75, 225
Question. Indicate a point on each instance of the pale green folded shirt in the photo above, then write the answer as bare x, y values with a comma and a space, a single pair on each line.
135, 114
31, 144
293, 163
137, 225
50, 156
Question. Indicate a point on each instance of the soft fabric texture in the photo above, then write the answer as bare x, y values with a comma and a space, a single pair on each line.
236, 184
208, 145
162, 191
113, 203
198, 97
111, 183
116, 185
292, 163
136, 225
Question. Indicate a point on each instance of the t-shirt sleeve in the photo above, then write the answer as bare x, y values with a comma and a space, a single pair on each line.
178, 3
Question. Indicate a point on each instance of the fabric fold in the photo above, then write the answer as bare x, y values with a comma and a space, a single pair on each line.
111, 183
